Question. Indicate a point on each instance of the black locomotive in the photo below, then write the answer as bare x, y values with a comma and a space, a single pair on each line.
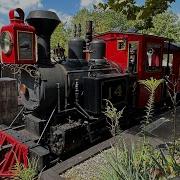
63, 101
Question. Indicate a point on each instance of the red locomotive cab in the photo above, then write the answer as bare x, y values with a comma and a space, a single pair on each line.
17, 40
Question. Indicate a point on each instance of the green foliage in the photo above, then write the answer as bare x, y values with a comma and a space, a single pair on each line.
166, 24
143, 13
22, 173
129, 163
142, 162
80, 18
145, 162
127, 7
151, 85
114, 116
103, 21
154, 7
61, 35
167, 164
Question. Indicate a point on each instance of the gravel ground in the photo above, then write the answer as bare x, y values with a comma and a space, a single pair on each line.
89, 170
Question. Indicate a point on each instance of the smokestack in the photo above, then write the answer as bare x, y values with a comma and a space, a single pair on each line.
89, 31
44, 22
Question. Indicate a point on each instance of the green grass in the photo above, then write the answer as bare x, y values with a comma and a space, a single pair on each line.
131, 163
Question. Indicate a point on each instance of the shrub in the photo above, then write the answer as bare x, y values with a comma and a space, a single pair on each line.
113, 117
143, 163
127, 164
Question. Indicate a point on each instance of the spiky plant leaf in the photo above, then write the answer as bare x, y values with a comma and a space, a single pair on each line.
151, 85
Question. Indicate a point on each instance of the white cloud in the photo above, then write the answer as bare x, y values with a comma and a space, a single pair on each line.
6, 5
65, 18
89, 3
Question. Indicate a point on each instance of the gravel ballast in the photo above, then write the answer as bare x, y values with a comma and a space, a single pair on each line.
88, 170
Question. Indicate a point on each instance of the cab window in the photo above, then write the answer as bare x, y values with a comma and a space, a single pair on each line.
165, 60
153, 57
132, 57
121, 44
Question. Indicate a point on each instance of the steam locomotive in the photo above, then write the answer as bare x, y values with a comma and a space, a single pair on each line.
62, 101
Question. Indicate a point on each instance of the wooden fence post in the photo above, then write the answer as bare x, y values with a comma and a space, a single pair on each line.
8, 100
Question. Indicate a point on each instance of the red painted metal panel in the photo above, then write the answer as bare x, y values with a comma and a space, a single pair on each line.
176, 64
16, 153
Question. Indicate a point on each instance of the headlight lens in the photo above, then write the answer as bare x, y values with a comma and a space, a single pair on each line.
6, 42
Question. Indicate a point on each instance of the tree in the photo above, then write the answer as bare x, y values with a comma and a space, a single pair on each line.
103, 20
80, 18
166, 24
143, 13
61, 35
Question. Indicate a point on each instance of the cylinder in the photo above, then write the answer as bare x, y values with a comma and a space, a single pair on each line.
75, 49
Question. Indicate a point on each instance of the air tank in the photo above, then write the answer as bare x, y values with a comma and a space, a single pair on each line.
75, 48
98, 50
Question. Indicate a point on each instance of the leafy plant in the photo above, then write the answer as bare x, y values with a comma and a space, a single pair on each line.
151, 85
168, 164
114, 115
166, 24
129, 163
145, 162
135, 12
22, 173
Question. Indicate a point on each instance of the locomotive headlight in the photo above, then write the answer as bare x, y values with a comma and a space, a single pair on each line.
6, 42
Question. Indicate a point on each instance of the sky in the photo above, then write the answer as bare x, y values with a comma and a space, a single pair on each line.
64, 8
